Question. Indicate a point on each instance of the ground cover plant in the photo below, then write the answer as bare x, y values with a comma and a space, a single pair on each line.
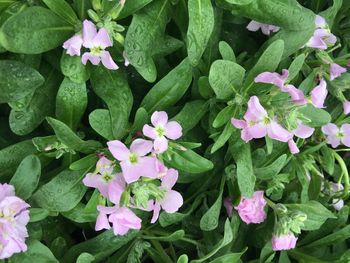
174, 131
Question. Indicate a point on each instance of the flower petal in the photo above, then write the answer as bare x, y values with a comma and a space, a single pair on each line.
89, 33
169, 180
173, 130
107, 60
159, 118
118, 150
141, 147
319, 94
102, 39
149, 131
172, 201
160, 144
303, 131
277, 132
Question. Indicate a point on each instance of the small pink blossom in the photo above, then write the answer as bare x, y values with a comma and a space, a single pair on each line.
319, 94
251, 210
134, 162
122, 219
336, 136
162, 130
73, 45
257, 124
265, 28
172, 199
97, 42
322, 37
284, 242
302, 131
346, 107
336, 70
14, 216
228, 206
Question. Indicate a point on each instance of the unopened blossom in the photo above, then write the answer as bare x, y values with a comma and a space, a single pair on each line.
319, 94
336, 70
73, 45
172, 200
346, 107
252, 210
336, 136
322, 37
265, 28
122, 219
134, 162
162, 130
102, 176
337, 203
257, 124
228, 206
284, 242
97, 42
14, 216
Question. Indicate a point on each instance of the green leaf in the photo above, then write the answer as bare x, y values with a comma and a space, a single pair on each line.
268, 61
188, 161
223, 138
225, 78
85, 258
27, 176
334, 238
224, 116
169, 89
182, 259
330, 13
170, 238
37, 214
63, 9
113, 88
71, 102
226, 51
200, 27
245, 173
25, 119
100, 246
191, 114
229, 258
141, 118
70, 139
269, 172
314, 117
62, 193
84, 163
11, 156
146, 29
228, 236
100, 121
72, 68
296, 66
327, 159
34, 31
131, 7
17, 80
36, 252
316, 213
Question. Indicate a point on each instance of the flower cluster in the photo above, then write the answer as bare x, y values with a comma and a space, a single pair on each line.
144, 182
96, 41
14, 216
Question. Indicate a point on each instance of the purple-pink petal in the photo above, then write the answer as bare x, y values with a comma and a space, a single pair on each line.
141, 147
346, 107
73, 45
336, 70
160, 145
169, 180
173, 130
345, 129
88, 56
118, 150
303, 131
277, 132
319, 94
172, 201
239, 124
255, 110
273, 78
156, 211
149, 131
107, 60
284, 242
257, 130
102, 39
159, 118
293, 147
89, 33
146, 167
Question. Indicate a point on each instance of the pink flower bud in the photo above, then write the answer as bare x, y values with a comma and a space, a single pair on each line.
284, 242
251, 210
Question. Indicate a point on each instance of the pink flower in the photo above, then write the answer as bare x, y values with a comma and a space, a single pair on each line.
162, 131
265, 28
133, 162
257, 124
228, 206
73, 45
172, 199
284, 242
319, 94
336, 136
14, 216
122, 219
346, 107
97, 42
302, 131
279, 81
251, 210
336, 71
322, 37
102, 177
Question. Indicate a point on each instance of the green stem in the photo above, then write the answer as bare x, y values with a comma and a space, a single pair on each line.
345, 173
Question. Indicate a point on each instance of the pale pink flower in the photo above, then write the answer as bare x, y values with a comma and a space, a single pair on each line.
336, 70
162, 130
265, 28
228, 206
252, 210
172, 199
322, 37
336, 136
134, 162
14, 216
73, 45
319, 94
122, 219
284, 242
97, 42
257, 124
346, 107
